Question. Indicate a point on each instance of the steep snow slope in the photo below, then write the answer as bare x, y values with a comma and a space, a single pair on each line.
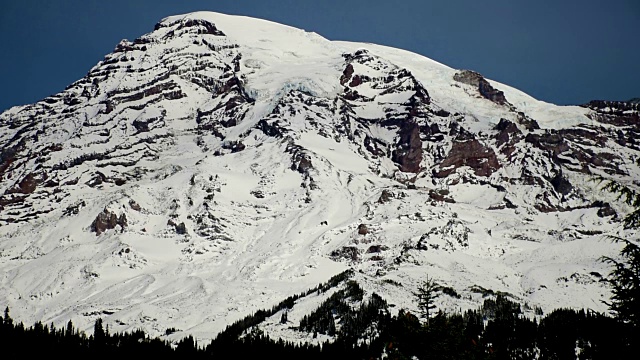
219, 164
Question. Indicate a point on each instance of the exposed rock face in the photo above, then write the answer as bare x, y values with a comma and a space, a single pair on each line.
300, 162
508, 136
198, 26
619, 108
8, 156
550, 141
607, 211
376, 249
472, 153
346, 74
441, 195
28, 184
108, 220
484, 88
234, 146
385, 197
375, 146
489, 92
270, 129
181, 228
74, 209
408, 154
575, 148
507, 131
529, 123
561, 184
350, 253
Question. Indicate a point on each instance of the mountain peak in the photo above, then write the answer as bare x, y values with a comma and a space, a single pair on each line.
220, 164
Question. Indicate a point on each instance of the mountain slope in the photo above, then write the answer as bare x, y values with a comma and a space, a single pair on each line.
219, 164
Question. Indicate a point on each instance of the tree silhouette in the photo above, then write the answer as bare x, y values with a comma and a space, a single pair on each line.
98, 330
625, 282
7, 318
630, 197
625, 276
427, 293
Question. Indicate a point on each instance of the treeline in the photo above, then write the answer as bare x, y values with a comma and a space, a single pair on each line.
497, 330
41, 340
239, 327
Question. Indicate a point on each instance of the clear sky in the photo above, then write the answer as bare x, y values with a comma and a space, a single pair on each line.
560, 51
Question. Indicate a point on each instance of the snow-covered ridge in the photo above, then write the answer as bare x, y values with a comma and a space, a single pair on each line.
219, 164
300, 55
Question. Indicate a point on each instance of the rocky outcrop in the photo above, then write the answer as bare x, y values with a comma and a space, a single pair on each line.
199, 26
99, 178
376, 249
385, 197
408, 153
574, 148
134, 205
507, 131
349, 253
620, 108
507, 137
234, 146
301, 164
74, 209
561, 185
346, 74
549, 141
108, 220
375, 146
441, 196
270, 128
7, 157
472, 153
606, 211
202, 27
484, 88
28, 184
181, 228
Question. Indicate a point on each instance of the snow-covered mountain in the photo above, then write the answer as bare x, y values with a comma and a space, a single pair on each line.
220, 164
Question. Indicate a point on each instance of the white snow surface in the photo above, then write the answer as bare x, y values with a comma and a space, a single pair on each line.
258, 230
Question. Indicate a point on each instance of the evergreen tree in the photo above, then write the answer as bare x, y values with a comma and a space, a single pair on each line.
7, 318
625, 276
625, 283
427, 293
98, 331
631, 198
69, 331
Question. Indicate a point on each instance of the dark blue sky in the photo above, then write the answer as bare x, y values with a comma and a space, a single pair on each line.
561, 51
